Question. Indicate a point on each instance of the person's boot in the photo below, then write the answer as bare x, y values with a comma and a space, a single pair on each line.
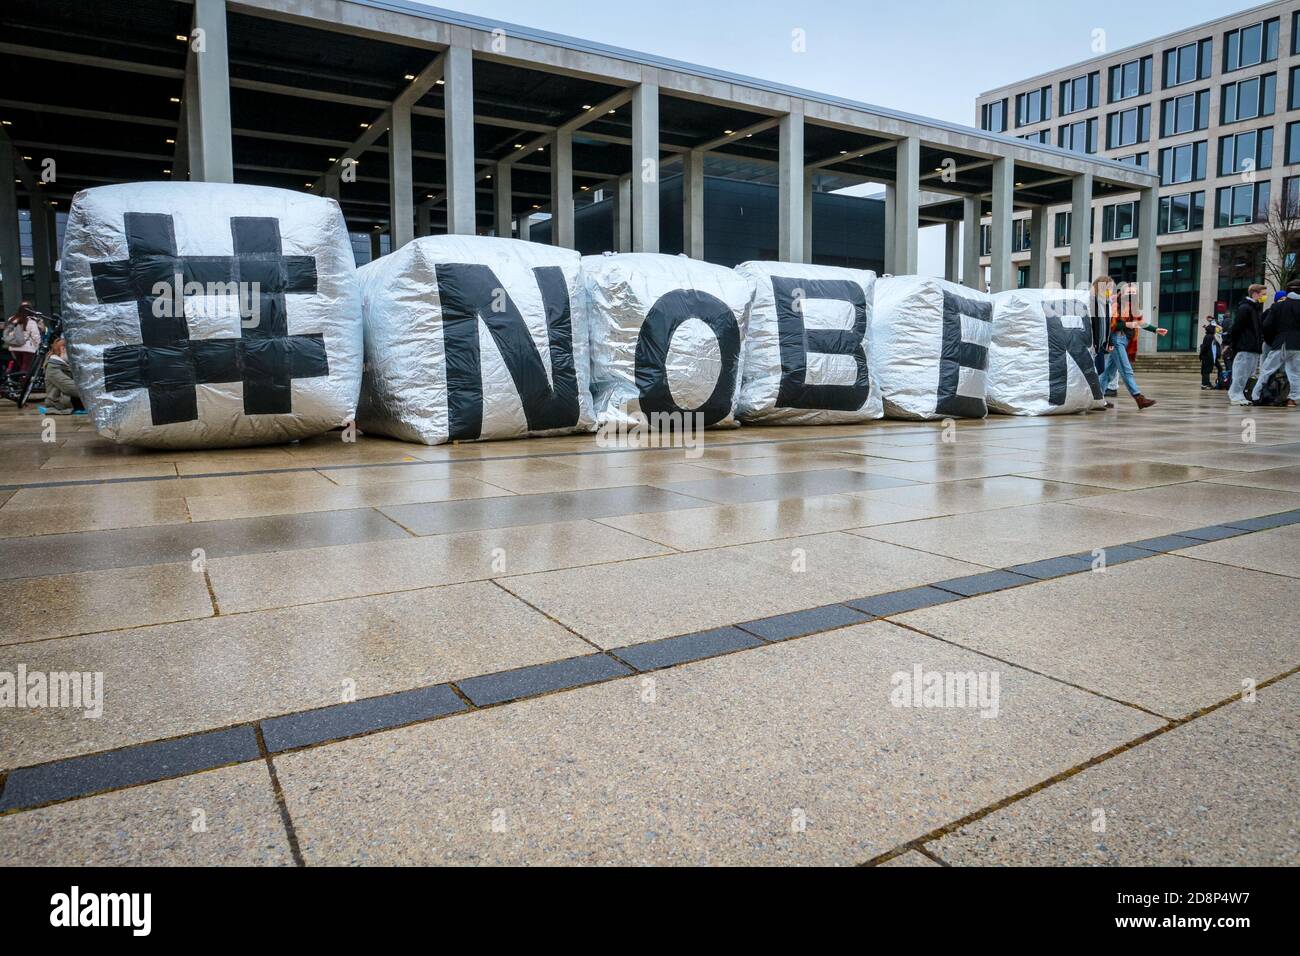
1143, 401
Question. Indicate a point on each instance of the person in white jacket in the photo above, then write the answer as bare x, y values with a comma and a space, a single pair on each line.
22, 337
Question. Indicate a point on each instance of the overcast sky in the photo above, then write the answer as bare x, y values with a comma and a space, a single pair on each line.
931, 57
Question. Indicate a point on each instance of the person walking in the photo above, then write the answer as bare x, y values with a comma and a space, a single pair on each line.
1127, 321
22, 336
1246, 340
1103, 300
1282, 333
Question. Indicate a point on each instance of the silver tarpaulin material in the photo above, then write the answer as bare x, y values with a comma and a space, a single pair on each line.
807, 355
666, 336
208, 315
1040, 359
929, 347
474, 337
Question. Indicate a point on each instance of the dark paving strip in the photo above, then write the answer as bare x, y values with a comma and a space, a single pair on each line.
359, 717
985, 583
652, 655
782, 627
474, 514
1053, 567
1215, 532
160, 544
114, 769
1165, 542
740, 489
540, 679
1266, 522
899, 602
74, 777
1116, 554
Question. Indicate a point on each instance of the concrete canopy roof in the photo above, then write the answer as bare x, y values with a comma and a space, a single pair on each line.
96, 87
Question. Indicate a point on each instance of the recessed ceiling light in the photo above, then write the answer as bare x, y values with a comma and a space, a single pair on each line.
171, 142
584, 188
536, 206
440, 82
365, 126
586, 106
167, 171
332, 159
844, 152
410, 76
728, 132
1018, 185
610, 111
519, 145
489, 175
182, 37
428, 195
174, 99
27, 159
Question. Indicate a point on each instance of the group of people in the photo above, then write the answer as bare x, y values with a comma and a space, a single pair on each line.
1263, 341
22, 337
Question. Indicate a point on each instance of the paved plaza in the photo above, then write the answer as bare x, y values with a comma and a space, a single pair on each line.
545, 651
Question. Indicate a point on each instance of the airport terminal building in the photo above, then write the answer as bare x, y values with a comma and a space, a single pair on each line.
421, 121
1214, 111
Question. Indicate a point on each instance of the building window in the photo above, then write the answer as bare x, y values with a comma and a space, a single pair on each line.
986, 240
1241, 205
1248, 99
1062, 229
1250, 45
1295, 34
1247, 151
1293, 91
1130, 79
1081, 137
1128, 127
1119, 221
1292, 143
1182, 164
1188, 63
1182, 213
1034, 106
993, 116
1080, 93
1042, 136
1185, 114
1020, 235
1291, 195
1140, 160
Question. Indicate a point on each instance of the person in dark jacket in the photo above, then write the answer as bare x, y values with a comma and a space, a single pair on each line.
1246, 339
1211, 352
1282, 333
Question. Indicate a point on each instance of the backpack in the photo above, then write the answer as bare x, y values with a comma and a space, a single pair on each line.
1275, 391
14, 335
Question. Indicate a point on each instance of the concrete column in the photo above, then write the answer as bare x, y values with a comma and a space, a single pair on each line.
890, 242
790, 186
970, 243
623, 215
374, 244
645, 165
401, 183
1209, 273
1148, 268
808, 178
458, 99
693, 204
210, 118
907, 204
1080, 232
1040, 248
42, 240
951, 253
423, 214
504, 199
1004, 173
562, 190
332, 177
11, 271
523, 227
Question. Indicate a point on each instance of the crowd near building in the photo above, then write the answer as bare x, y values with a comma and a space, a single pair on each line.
1213, 110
